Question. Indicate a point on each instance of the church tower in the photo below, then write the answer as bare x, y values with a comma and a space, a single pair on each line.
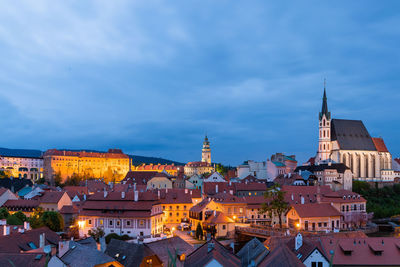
206, 151
324, 143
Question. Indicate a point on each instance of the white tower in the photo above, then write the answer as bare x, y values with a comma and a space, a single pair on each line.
324, 141
206, 152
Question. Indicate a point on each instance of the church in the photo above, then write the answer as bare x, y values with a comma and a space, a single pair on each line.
348, 142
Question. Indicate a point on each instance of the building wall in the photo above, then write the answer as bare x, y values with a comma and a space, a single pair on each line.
316, 257
96, 167
160, 183
174, 213
321, 223
256, 169
31, 168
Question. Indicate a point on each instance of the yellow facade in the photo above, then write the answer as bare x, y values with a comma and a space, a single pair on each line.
110, 166
175, 213
170, 169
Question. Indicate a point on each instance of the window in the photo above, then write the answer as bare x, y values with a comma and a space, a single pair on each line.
170, 214
223, 227
184, 207
118, 223
177, 214
163, 207
90, 222
111, 222
177, 207
128, 223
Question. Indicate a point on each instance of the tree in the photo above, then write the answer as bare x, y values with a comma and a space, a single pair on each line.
53, 220
96, 233
276, 204
199, 231
14, 220
35, 218
20, 215
116, 236
4, 213
3, 174
57, 179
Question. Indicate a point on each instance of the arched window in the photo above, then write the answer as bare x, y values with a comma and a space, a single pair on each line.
324, 146
324, 133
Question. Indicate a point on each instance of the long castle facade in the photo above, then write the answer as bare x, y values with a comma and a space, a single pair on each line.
349, 142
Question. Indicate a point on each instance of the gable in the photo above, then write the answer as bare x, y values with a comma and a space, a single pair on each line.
315, 256
213, 263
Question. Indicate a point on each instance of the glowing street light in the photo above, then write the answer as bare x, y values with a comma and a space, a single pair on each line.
81, 224
298, 225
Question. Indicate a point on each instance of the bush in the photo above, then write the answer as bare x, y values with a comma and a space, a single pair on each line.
96, 233
116, 236
4, 213
14, 220
20, 215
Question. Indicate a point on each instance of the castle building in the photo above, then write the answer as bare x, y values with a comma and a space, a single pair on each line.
111, 165
206, 151
203, 166
349, 142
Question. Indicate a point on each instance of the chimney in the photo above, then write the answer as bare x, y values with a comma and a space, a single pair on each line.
27, 226
158, 194
134, 187
191, 192
292, 197
298, 241
302, 200
231, 192
102, 244
136, 195
230, 183
6, 230
215, 213
63, 247
216, 188
41, 240
186, 190
166, 190
84, 197
123, 194
105, 194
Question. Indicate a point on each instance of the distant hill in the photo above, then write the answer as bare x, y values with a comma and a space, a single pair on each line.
27, 153
31, 153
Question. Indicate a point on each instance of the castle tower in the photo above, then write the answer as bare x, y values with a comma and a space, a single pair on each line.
324, 141
206, 151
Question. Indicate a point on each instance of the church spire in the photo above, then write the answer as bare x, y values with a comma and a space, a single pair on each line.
324, 110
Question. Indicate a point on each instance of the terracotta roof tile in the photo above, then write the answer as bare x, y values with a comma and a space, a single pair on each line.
380, 145
316, 210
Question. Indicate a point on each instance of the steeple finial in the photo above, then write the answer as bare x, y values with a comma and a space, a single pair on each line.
324, 109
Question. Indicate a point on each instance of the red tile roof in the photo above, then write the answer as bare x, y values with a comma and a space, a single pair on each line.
175, 196
380, 144
139, 177
72, 191
112, 153
316, 210
218, 217
281, 256
21, 203
51, 197
198, 164
23, 259
364, 251
209, 188
251, 186
16, 242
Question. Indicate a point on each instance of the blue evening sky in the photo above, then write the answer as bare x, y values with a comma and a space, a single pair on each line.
152, 77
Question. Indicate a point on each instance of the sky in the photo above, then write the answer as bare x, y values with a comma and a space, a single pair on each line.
153, 77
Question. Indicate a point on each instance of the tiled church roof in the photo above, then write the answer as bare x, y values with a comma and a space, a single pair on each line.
351, 135
380, 145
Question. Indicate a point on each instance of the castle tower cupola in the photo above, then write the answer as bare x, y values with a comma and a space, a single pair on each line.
324, 129
206, 151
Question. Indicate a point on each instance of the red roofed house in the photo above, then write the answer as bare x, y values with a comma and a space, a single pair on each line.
132, 213
212, 253
54, 200
6, 194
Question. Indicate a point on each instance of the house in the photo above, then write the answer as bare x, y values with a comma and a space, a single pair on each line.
54, 200
362, 251
175, 246
212, 253
5, 195
337, 175
160, 181
214, 177
281, 256
314, 217
256, 169
133, 213
212, 188
194, 182
74, 254
31, 259
176, 204
26, 206
28, 240
280, 164
253, 214
219, 225
309, 251
350, 204
253, 253
250, 188
198, 167
132, 254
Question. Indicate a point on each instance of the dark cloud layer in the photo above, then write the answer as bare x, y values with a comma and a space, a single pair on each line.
152, 77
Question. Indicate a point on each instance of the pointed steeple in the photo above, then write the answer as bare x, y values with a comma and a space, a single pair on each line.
324, 110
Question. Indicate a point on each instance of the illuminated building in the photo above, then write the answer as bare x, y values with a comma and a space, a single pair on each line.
26, 166
111, 165
171, 169
203, 166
